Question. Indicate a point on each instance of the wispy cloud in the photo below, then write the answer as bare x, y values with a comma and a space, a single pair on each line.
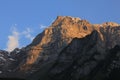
15, 37
13, 40
27, 34
43, 26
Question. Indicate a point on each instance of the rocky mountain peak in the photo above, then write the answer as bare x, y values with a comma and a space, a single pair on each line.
70, 48
55, 38
60, 34
65, 19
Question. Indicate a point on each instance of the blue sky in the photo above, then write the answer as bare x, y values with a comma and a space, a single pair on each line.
22, 20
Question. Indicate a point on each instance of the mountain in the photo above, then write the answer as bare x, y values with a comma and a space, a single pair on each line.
69, 49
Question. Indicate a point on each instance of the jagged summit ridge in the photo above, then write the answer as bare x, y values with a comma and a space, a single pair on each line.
111, 24
75, 19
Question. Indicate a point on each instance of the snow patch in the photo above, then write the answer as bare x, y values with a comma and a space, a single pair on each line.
11, 59
0, 72
2, 58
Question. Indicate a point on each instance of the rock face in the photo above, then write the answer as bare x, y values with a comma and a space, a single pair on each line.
70, 49
5, 61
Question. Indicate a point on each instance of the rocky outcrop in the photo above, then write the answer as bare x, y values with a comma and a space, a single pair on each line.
70, 49
5, 61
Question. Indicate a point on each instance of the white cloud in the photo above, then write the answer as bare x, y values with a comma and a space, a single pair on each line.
27, 34
43, 27
13, 40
